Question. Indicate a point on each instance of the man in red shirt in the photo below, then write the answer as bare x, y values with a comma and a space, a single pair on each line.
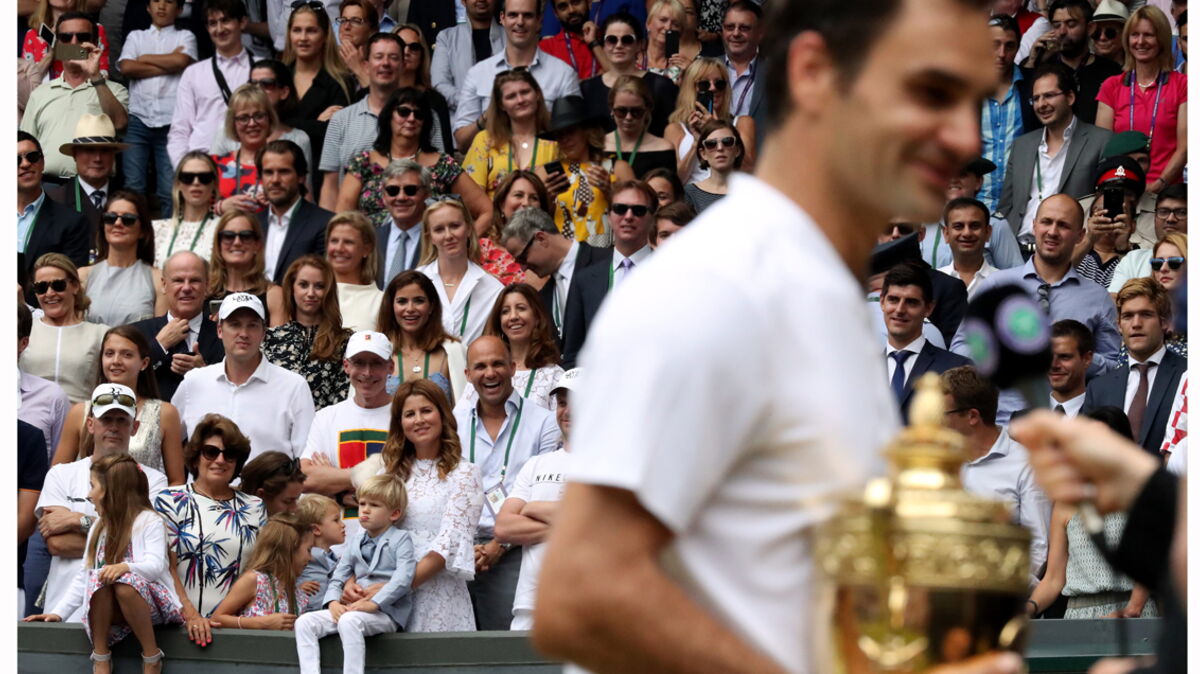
577, 43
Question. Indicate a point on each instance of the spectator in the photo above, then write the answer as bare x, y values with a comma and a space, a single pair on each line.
719, 150
631, 106
1170, 217
275, 478
966, 230
997, 466
519, 189
353, 129
1008, 112
704, 78
312, 343
211, 527
1097, 255
202, 98
55, 108
741, 33
576, 43
94, 152
191, 226
1059, 158
1175, 439
666, 185
669, 221
272, 406
554, 79
382, 553
499, 418
294, 227
1181, 24
1071, 349
347, 433
275, 79
511, 138
1066, 44
158, 441
450, 252
405, 128
900, 242
415, 74
1124, 107
327, 530
664, 16
44, 225
525, 517
1144, 388
35, 48
460, 47
1000, 251
31, 474
1169, 264
624, 39
406, 186
411, 317
251, 121
598, 12
237, 264
358, 20
352, 254
40, 403
65, 514
185, 337
154, 60
123, 283
520, 319
265, 597
1108, 23
63, 347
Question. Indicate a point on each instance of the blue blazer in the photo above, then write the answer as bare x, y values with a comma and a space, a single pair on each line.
931, 359
1108, 390
395, 563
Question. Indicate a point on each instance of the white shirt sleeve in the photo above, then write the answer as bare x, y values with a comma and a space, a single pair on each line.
523, 487
1040, 27
189, 44
317, 437
1034, 514
131, 49
302, 406
470, 104
55, 490
1126, 269
72, 599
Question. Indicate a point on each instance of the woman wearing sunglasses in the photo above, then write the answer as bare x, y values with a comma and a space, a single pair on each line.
211, 526
1169, 264
237, 264
123, 284
416, 74
405, 128
275, 478
313, 342
192, 224
704, 97
63, 347
158, 442
624, 43
411, 317
632, 143
720, 151
509, 141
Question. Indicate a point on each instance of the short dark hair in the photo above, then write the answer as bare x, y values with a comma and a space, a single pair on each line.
369, 11
965, 202
1077, 331
283, 78
233, 9
639, 28
1115, 418
638, 186
744, 6
417, 99
24, 321
668, 175
1182, 20
25, 135
909, 273
271, 472
223, 427
1178, 191
680, 212
72, 16
1006, 23
1066, 79
1082, 5
282, 146
970, 390
389, 37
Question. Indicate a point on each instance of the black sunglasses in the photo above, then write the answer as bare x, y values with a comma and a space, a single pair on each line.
211, 452
638, 209
110, 398
127, 219
903, 227
290, 468
189, 178
314, 4
522, 257
1174, 263
404, 112
409, 190
625, 40
265, 83
57, 285
244, 235
704, 85
73, 37
711, 143
1108, 32
33, 157
634, 113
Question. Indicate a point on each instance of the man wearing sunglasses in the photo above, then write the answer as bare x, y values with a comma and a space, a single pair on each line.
44, 225
272, 406
65, 515
460, 47
405, 188
1170, 215
1107, 25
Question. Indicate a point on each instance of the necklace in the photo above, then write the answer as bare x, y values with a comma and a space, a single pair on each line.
412, 156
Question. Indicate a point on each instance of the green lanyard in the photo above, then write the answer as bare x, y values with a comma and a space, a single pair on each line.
557, 313
32, 226
192, 246
529, 384
78, 198
424, 373
462, 329
532, 158
512, 433
1037, 167
633, 156
612, 271
937, 241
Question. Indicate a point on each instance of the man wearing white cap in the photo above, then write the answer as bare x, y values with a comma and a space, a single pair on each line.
271, 406
64, 513
345, 434
525, 517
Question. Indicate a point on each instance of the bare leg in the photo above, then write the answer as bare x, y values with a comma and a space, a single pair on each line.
137, 616
100, 616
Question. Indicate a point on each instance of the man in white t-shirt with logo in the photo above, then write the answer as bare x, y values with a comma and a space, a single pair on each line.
64, 513
525, 517
344, 435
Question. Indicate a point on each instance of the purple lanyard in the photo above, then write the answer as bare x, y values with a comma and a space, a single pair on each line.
749, 86
1162, 83
571, 54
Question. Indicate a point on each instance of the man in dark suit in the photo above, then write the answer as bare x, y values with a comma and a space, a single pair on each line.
901, 242
293, 226
44, 225
906, 301
405, 188
94, 150
532, 238
1145, 388
1035, 167
185, 338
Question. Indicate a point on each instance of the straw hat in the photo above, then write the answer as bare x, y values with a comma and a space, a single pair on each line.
93, 131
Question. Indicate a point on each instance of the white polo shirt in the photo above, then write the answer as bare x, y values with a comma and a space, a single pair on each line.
273, 408
541, 479
739, 457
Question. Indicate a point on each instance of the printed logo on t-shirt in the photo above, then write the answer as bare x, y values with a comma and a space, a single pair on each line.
354, 446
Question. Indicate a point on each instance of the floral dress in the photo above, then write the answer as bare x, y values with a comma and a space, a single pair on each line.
289, 346
271, 597
370, 200
234, 177
211, 539
488, 166
163, 611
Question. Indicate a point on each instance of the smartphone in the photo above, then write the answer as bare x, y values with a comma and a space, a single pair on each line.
553, 167
65, 51
705, 98
214, 307
672, 43
1114, 202
47, 34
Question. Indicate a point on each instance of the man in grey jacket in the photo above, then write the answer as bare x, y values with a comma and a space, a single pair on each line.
463, 46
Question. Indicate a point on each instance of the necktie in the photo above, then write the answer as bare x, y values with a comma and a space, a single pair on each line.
368, 549
1043, 293
1060, 409
398, 262
1137, 408
898, 375
626, 267
98, 198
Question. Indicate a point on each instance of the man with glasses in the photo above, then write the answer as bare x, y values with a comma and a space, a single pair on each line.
271, 405
293, 226
1170, 215
65, 515
741, 33
462, 46
406, 186
44, 225
55, 108
1066, 43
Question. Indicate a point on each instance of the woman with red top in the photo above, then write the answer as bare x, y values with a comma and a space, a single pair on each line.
1149, 97
47, 14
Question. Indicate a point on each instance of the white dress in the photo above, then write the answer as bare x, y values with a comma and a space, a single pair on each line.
442, 516
537, 392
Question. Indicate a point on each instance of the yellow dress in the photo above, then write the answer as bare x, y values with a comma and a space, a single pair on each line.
581, 212
488, 165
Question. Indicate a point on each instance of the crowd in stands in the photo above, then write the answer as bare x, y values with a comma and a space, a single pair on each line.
304, 289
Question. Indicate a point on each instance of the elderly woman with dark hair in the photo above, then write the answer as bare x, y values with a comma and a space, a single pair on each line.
275, 478
211, 527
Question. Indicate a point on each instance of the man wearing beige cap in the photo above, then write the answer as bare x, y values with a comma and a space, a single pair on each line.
94, 149
1108, 22
272, 406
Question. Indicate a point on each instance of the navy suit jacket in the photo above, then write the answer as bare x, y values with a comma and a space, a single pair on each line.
211, 349
950, 302
1108, 390
382, 233
587, 255
589, 287
305, 235
931, 359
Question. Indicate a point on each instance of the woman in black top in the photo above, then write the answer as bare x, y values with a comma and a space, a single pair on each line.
416, 74
624, 39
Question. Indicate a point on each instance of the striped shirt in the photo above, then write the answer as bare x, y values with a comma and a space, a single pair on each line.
1000, 126
1100, 272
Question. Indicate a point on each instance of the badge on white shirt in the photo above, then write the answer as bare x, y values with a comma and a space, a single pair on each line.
494, 498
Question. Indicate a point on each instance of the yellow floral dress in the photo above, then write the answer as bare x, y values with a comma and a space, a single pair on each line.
488, 165
581, 212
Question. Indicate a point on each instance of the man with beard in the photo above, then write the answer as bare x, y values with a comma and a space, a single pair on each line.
577, 43
293, 226
462, 46
1066, 43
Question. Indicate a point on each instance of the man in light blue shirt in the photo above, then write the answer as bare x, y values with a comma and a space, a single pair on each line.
1001, 119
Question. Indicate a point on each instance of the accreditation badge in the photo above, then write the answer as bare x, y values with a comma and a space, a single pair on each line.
494, 498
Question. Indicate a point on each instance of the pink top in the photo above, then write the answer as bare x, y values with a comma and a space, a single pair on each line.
271, 597
1114, 93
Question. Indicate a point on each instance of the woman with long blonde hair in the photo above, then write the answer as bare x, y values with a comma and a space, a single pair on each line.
192, 224
704, 96
237, 264
451, 258
352, 252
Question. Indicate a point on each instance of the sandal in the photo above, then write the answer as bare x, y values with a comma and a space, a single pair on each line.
153, 660
98, 658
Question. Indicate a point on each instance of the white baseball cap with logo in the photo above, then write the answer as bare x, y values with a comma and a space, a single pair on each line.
109, 397
235, 301
568, 380
369, 341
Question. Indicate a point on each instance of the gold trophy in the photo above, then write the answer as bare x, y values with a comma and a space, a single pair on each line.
925, 573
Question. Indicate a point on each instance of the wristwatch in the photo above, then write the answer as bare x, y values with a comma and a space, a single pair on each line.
98, 81
86, 522
596, 44
506, 546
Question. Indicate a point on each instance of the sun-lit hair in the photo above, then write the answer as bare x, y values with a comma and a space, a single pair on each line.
433, 333
543, 348
1162, 32
218, 274
331, 58
497, 123
64, 263
429, 252
399, 453
424, 81
249, 96
702, 68
312, 508
1145, 286
327, 343
386, 488
177, 200
1177, 239
275, 555
366, 232
126, 495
